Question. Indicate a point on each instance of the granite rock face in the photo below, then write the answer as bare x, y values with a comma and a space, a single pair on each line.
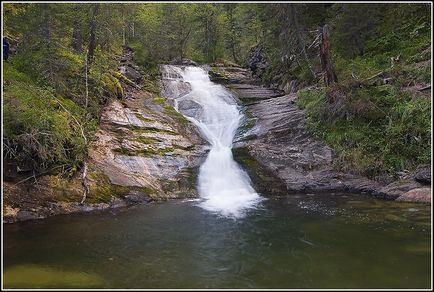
276, 148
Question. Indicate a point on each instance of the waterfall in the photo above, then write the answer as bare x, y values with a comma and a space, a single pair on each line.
223, 186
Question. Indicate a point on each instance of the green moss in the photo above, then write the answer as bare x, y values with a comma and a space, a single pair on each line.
123, 78
159, 100
250, 123
176, 115
142, 118
144, 152
103, 190
146, 140
152, 86
262, 179
39, 123
112, 86
138, 129
100, 187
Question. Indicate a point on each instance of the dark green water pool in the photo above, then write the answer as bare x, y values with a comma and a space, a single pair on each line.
316, 241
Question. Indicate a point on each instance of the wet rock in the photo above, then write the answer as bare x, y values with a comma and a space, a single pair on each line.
136, 198
231, 75
417, 195
189, 108
117, 203
423, 175
254, 93
131, 73
26, 215
396, 189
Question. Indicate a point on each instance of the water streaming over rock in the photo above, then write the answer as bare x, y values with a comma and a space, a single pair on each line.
223, 186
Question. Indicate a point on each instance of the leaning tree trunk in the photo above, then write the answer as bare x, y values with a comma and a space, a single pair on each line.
324, 54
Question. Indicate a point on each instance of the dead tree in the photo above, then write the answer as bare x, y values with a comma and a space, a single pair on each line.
324, 55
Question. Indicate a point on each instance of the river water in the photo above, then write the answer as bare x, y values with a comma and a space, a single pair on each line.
321, 241
231, 237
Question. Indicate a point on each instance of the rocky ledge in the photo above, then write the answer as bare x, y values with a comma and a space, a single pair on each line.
282, 156
143, 151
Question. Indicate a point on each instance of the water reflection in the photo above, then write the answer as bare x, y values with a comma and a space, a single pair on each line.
321, 241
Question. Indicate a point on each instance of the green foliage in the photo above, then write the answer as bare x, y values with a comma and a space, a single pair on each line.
372, 131
37, 128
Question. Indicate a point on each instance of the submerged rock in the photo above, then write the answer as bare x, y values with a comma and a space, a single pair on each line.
417, 195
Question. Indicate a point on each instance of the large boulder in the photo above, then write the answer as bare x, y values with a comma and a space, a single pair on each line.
423, 175
131, 73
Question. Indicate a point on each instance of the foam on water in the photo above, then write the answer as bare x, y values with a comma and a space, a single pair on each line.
223, 186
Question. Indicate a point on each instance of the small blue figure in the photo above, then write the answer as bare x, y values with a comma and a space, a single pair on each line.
5, 49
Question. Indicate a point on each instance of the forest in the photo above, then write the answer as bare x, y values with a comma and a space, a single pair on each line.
64, 59
215, 145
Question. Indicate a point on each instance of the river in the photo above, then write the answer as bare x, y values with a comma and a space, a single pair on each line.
301, 241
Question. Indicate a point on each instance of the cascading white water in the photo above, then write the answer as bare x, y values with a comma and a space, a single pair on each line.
223, 186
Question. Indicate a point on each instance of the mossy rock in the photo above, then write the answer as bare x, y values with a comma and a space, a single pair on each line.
145, 152
262, 179
102, 190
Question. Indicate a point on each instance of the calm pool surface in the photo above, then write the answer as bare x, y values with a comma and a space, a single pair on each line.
306, 241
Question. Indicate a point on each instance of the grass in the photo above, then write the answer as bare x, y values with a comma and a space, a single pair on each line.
373, 131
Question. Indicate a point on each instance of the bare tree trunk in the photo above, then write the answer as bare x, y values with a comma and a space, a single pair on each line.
132, 30
124, 28
84, 183
324, 54
300, 40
